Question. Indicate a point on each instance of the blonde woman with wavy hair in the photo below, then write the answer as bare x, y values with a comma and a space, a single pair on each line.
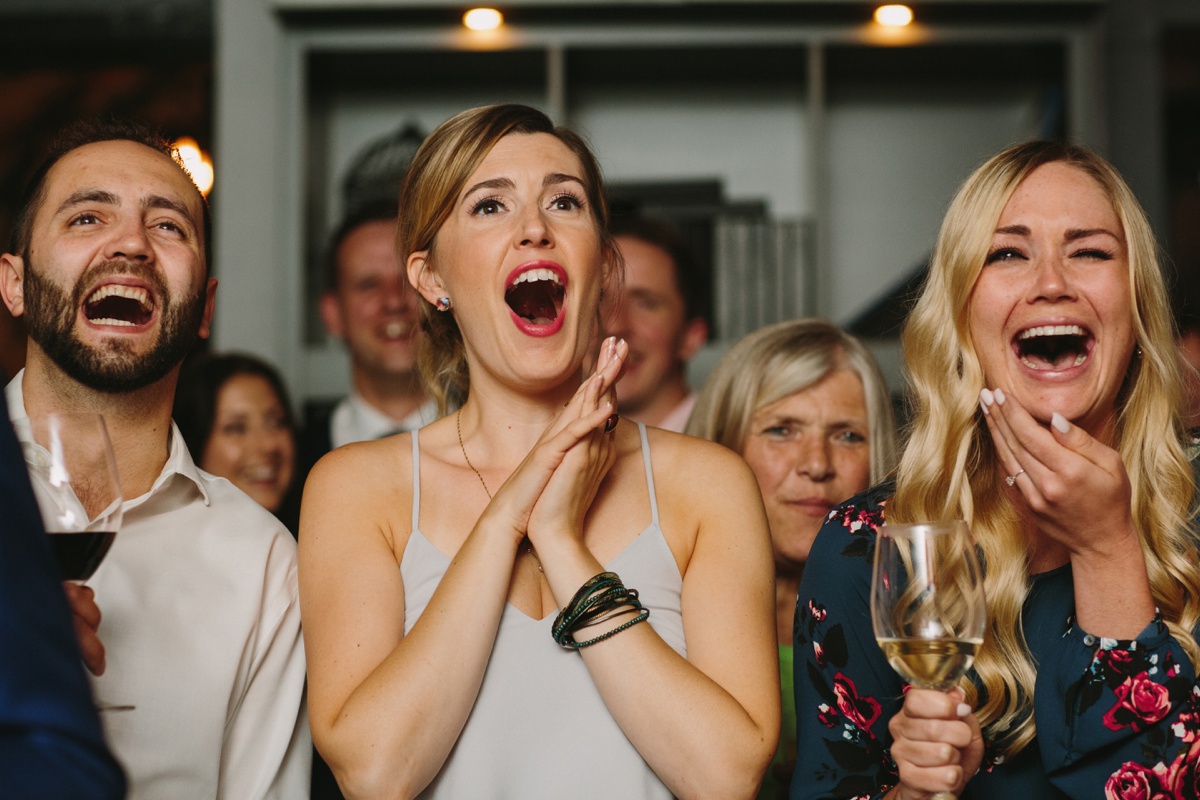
1047, 396
807, 407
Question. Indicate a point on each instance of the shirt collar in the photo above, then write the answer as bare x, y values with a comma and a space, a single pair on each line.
179, 460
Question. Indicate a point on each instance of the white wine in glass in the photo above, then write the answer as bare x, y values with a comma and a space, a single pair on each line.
74, 476
927, 604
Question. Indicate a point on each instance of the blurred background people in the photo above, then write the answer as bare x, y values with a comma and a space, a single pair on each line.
806, 406
659, 313
235, 417
369, 305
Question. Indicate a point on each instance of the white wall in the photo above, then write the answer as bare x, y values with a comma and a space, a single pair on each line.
895, 164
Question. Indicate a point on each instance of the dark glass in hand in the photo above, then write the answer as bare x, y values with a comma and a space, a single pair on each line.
78, 553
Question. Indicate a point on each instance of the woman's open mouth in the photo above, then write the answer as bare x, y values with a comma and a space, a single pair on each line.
535, 294
119, 305
1053, 347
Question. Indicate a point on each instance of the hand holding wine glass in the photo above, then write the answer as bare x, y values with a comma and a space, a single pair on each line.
927, 604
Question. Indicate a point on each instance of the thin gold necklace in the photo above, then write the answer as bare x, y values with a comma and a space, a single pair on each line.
526, 545
463, 447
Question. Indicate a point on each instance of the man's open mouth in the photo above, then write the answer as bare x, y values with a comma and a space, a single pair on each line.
1053, 347
536, 296
120, 305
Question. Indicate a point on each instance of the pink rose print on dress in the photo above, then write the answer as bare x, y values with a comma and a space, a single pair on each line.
1119, 661
1140, 703
860, 711
1136, 782
826, 715
1183, 780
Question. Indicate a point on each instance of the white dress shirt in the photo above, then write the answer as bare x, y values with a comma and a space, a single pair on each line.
201, 628
678, 418
356, 420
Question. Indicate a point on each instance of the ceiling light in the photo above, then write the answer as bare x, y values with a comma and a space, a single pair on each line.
894, 16
483, 19
197, 162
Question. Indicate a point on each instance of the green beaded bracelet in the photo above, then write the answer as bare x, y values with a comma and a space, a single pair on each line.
601, 598
643, 614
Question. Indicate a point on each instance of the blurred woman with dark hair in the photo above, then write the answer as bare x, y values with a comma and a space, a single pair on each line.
234, 415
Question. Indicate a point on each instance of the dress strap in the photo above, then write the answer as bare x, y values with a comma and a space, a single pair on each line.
416, 493
649, 473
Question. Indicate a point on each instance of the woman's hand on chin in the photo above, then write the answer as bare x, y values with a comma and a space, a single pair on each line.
1076, 486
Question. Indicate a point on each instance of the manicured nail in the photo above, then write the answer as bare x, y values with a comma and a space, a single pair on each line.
987, 397
1060, 423
963, 709
999, 394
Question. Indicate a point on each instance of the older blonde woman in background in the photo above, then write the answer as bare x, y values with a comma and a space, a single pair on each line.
805, 404
473, 592
1047, 415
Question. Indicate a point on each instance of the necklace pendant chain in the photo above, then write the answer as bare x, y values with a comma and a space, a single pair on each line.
463, 447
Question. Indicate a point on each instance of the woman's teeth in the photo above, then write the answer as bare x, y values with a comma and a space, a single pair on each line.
537, 275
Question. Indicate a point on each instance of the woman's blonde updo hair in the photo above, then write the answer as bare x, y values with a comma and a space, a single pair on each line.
776, 362
429, 192
950, 469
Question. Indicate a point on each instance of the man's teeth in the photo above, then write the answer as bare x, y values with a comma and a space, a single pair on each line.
112, 321
118, 290
1051, 330
537, 275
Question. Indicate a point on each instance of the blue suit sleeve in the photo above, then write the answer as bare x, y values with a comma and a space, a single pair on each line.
50, 739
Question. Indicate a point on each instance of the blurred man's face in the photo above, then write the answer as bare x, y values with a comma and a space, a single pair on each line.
651, 317
374, 308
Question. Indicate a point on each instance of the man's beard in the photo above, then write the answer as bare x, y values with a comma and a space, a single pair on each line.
113, 366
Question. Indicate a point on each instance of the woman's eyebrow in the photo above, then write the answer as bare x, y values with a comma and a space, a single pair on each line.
562, 177
491, 183
1083, 233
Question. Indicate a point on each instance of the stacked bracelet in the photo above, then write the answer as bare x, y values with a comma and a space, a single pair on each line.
602, 598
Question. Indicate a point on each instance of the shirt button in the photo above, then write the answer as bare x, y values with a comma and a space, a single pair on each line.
1089, 640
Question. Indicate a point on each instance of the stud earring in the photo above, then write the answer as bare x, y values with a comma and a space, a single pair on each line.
444, 304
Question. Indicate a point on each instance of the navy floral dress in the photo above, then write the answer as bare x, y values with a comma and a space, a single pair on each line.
1115, 719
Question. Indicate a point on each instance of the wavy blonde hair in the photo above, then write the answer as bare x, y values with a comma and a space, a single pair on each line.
776, 362
950, 470
431, 188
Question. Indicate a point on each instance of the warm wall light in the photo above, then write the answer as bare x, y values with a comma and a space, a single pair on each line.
197, 162
483, 19
894, 16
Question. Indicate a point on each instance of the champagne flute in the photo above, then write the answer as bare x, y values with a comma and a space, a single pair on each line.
74, 476
927, 604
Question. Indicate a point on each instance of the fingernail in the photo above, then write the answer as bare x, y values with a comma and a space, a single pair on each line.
999, 394
987, 397
963, 709
1060, 423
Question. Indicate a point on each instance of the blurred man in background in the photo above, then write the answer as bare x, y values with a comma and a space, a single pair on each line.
659, 314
